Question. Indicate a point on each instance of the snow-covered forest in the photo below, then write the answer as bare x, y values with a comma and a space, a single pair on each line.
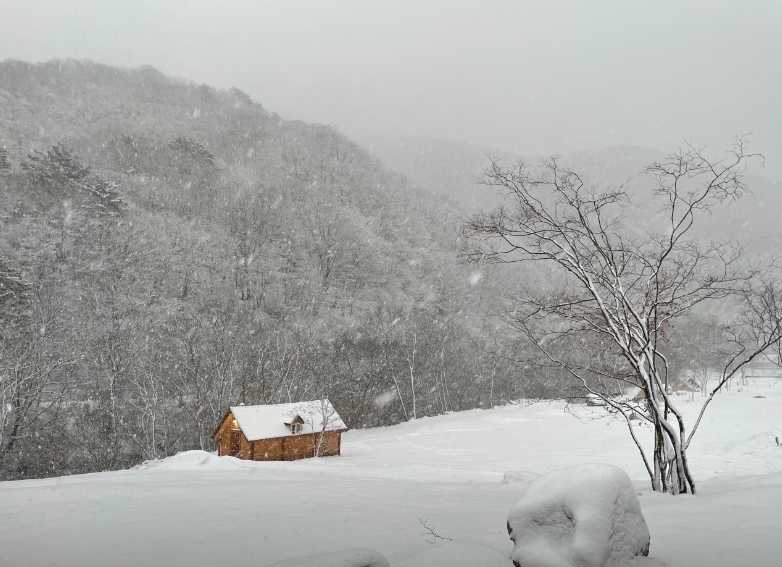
169, 249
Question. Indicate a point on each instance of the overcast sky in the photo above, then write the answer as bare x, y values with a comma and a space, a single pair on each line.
534, 77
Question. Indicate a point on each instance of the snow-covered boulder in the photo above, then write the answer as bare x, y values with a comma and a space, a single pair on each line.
344, 558
587, 516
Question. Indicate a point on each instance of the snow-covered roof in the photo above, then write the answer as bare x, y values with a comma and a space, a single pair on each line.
265, 422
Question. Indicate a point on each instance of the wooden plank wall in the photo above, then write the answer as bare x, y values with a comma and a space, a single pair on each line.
296, 447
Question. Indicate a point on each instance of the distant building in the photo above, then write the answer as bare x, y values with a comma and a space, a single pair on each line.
280, 432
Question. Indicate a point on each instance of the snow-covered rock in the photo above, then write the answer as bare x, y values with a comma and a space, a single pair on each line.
344, 558
587, 516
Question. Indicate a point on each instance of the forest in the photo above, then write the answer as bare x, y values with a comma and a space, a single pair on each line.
168, 249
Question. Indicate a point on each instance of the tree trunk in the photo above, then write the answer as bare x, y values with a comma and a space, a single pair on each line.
671, 470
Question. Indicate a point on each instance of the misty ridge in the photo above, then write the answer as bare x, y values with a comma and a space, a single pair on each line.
169, 249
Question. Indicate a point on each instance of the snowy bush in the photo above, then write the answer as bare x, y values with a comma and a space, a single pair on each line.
586, 516
344, 558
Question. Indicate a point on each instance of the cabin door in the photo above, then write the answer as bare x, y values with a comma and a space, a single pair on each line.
236, 443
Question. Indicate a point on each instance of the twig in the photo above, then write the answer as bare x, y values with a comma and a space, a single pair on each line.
432, 535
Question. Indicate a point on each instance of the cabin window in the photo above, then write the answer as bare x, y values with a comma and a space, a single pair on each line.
235, 425
295, 427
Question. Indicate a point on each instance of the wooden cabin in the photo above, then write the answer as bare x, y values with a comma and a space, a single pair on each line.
280, 432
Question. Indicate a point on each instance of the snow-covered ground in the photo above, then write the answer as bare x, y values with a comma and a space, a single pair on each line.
431, 492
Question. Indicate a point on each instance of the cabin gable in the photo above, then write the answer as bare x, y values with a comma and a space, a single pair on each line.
228, 437
227, 418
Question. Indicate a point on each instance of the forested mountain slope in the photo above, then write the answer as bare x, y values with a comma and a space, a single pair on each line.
167, 249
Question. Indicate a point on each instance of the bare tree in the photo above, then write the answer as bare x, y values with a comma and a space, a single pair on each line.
28, 393
29, 389
623, 286
150, 402
250, 222
319, 415
411, 366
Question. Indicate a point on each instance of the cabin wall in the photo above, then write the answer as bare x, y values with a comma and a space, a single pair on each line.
245, 448
330, 444
226, 445
295, 447
268, 449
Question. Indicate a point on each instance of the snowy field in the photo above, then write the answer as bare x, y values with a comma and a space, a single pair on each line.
394, 488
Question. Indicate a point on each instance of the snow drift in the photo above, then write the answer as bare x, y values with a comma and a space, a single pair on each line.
457, 554
452, 554
192, 461
190, 509
344, 558
587, 516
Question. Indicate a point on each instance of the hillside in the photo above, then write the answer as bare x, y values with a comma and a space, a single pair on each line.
173, 248
167, 249
459, 474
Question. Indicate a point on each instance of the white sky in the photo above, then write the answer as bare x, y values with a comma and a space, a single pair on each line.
533, 77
